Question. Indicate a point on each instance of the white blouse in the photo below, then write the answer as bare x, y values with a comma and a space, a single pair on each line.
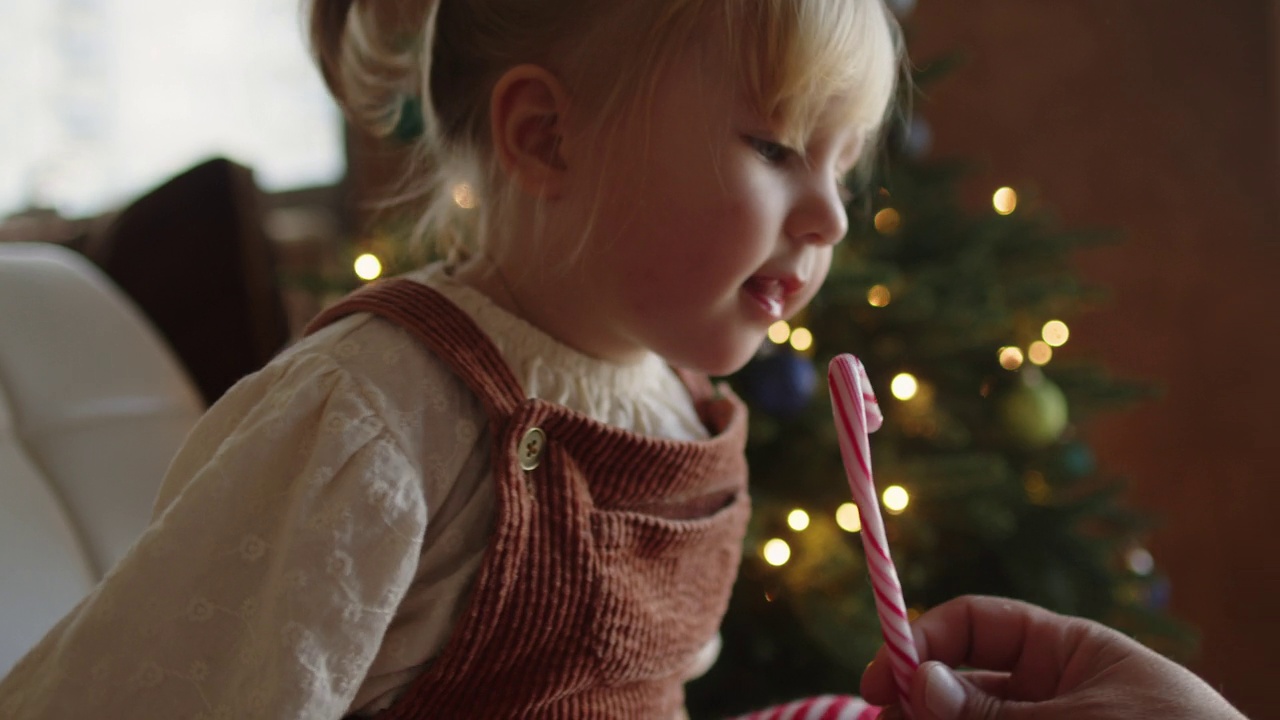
313, 541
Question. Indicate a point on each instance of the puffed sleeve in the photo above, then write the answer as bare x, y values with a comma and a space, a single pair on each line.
287, 532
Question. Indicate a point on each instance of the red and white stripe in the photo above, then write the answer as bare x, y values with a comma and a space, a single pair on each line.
823, 707
857, 413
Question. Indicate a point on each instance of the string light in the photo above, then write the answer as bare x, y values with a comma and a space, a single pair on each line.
895, 499
848, 519
1040, 352
779, 332
888, 221
1010, 358
776, 552
798, 520
1055, 332
368, 267
879, 296
1037, 487
904, 386
1005, 200
463, 196
1140, 561
801, 339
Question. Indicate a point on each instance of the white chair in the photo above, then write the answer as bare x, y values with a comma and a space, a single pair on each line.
93, 405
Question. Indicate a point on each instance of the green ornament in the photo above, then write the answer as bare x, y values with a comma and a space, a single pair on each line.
1033, 412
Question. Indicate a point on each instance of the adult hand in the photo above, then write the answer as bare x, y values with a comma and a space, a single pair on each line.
1032, 664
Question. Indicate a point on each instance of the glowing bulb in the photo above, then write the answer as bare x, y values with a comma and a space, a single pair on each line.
368, 267
798, 520
776, 552
1038, 490
1040, 352
904, 386
463, 196
1005, 200
1140, 561
848, 519
1010, 358
801, 339
878, 296
896, 499
1055, 333
888, 221
779, 332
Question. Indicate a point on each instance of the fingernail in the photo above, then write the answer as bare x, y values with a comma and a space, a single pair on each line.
943, 694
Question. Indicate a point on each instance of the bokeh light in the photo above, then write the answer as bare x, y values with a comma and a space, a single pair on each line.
896, 498
463, 196
1140, 561
779, 332
1005, 200
1055, 332
904, 386
798, 520
801, 339
368, 267
848, 519
1040, 352
1010, 358
888, 221
776, 552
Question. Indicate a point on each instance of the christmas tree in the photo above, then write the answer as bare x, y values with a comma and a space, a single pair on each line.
988, 486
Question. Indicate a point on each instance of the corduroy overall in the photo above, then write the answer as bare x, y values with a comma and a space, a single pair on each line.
613, 554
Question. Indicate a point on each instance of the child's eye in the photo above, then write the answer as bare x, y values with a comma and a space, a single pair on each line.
771, 151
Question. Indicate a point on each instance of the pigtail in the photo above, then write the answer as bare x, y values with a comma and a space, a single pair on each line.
376, 59
328, 26
373, 73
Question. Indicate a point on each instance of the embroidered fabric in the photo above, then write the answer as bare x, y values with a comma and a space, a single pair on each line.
314, 539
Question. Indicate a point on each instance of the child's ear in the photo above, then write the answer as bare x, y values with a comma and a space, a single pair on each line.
527, 120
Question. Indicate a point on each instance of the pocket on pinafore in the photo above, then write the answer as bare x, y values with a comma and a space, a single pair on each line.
663, 586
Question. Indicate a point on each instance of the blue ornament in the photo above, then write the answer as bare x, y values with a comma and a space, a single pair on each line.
1077, 459
917, 138
1158, 594
780, 384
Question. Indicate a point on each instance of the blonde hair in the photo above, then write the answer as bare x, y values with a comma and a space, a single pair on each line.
794, 57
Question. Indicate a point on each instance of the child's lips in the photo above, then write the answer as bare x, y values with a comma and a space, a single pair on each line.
771, 293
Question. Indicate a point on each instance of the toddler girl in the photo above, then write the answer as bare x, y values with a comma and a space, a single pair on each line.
502, 486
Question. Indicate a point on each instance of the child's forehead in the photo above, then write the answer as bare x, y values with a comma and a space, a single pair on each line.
804, 75
796, 76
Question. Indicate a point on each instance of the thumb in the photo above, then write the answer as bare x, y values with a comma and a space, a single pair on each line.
937, 693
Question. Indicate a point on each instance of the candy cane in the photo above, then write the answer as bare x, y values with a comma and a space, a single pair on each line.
857, 413
824, 707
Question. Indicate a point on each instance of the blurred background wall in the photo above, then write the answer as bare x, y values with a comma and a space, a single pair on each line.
1158, 118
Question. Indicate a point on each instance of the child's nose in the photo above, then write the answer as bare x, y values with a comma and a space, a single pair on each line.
819, 216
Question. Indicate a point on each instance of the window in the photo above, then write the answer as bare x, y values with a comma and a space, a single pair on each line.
103, 99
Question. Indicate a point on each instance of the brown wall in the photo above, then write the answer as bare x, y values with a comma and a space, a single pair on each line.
1157, 117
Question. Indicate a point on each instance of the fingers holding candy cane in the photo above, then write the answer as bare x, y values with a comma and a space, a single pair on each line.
856, 414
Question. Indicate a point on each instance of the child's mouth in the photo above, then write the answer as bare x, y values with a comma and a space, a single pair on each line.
768, 293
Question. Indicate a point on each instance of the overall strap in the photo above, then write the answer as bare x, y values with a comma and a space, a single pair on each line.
444, 329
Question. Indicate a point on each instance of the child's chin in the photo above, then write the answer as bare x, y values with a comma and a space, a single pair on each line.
728, 363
